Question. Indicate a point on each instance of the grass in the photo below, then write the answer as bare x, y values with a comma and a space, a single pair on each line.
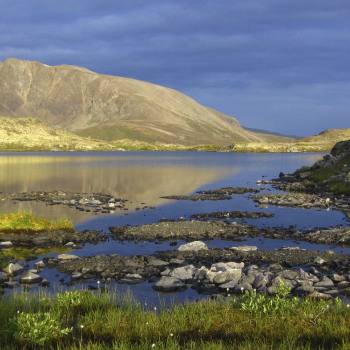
84, 320
27, 222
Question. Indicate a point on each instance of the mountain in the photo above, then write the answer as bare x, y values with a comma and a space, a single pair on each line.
323, 142
113, 108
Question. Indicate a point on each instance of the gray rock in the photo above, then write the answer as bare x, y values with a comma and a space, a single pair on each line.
133, 276
193, 246
40, 264
318, 295
338, 278
289, 274
227, 276
319, 261
343, 285
13, 269
184, 273
245, 248
157, 262
169, 284
30, 278
64, 257
228, 286
261, 280
325, 283
3, 277
6, 244
304, 289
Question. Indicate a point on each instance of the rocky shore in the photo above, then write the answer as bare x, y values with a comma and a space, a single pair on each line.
224, 193
88, 202
207, 230
313, 274
50, 238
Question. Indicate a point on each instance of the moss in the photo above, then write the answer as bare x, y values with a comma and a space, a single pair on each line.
26, 222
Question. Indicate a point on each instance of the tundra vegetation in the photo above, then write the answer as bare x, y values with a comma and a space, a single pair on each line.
105, 320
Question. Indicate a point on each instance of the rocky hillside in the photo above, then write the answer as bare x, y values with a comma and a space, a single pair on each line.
331, 174
113, 108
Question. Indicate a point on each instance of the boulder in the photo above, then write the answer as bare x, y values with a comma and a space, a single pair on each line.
6, 244
169, 284
193, 246
13, 269
30, 278
184, 273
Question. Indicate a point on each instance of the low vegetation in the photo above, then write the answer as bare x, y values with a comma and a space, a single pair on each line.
27, 222
102, 320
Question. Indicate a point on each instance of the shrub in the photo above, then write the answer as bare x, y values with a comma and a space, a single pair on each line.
39, 328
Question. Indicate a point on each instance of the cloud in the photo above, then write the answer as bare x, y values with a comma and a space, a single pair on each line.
275, 64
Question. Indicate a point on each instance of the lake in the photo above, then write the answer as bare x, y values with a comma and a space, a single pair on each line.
143, 178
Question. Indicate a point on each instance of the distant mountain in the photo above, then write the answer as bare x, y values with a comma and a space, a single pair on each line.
323, 142
112, 108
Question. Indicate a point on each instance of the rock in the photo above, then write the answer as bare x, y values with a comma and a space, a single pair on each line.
318, 295
44, 283
193, 246
157, 262
338, 278
133, 276
3, 277
184, 273
70, 245
304, 289
343, 285
30, 278
13, 269
325, 283
227, 276
261, 280
67, 257
245, 248
201, 273
76, 276
40, 264
319, 261
221, 273
169, 284
228, 286
6, 244
289, 274
221, 266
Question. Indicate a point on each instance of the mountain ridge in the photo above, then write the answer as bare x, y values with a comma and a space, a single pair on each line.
112, 108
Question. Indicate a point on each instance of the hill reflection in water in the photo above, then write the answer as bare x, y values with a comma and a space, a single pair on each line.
140, 178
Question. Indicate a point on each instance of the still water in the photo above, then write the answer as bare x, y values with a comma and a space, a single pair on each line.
143, 178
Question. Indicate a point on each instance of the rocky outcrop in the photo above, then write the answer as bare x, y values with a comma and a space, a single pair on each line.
330, 174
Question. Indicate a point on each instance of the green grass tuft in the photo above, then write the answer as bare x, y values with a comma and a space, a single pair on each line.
27, 222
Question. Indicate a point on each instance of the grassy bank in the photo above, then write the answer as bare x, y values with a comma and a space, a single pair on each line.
82, 320
27, 222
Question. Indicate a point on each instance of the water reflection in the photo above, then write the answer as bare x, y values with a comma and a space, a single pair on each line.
140, 179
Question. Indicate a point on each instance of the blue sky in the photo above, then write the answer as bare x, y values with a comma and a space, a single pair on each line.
274, 64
